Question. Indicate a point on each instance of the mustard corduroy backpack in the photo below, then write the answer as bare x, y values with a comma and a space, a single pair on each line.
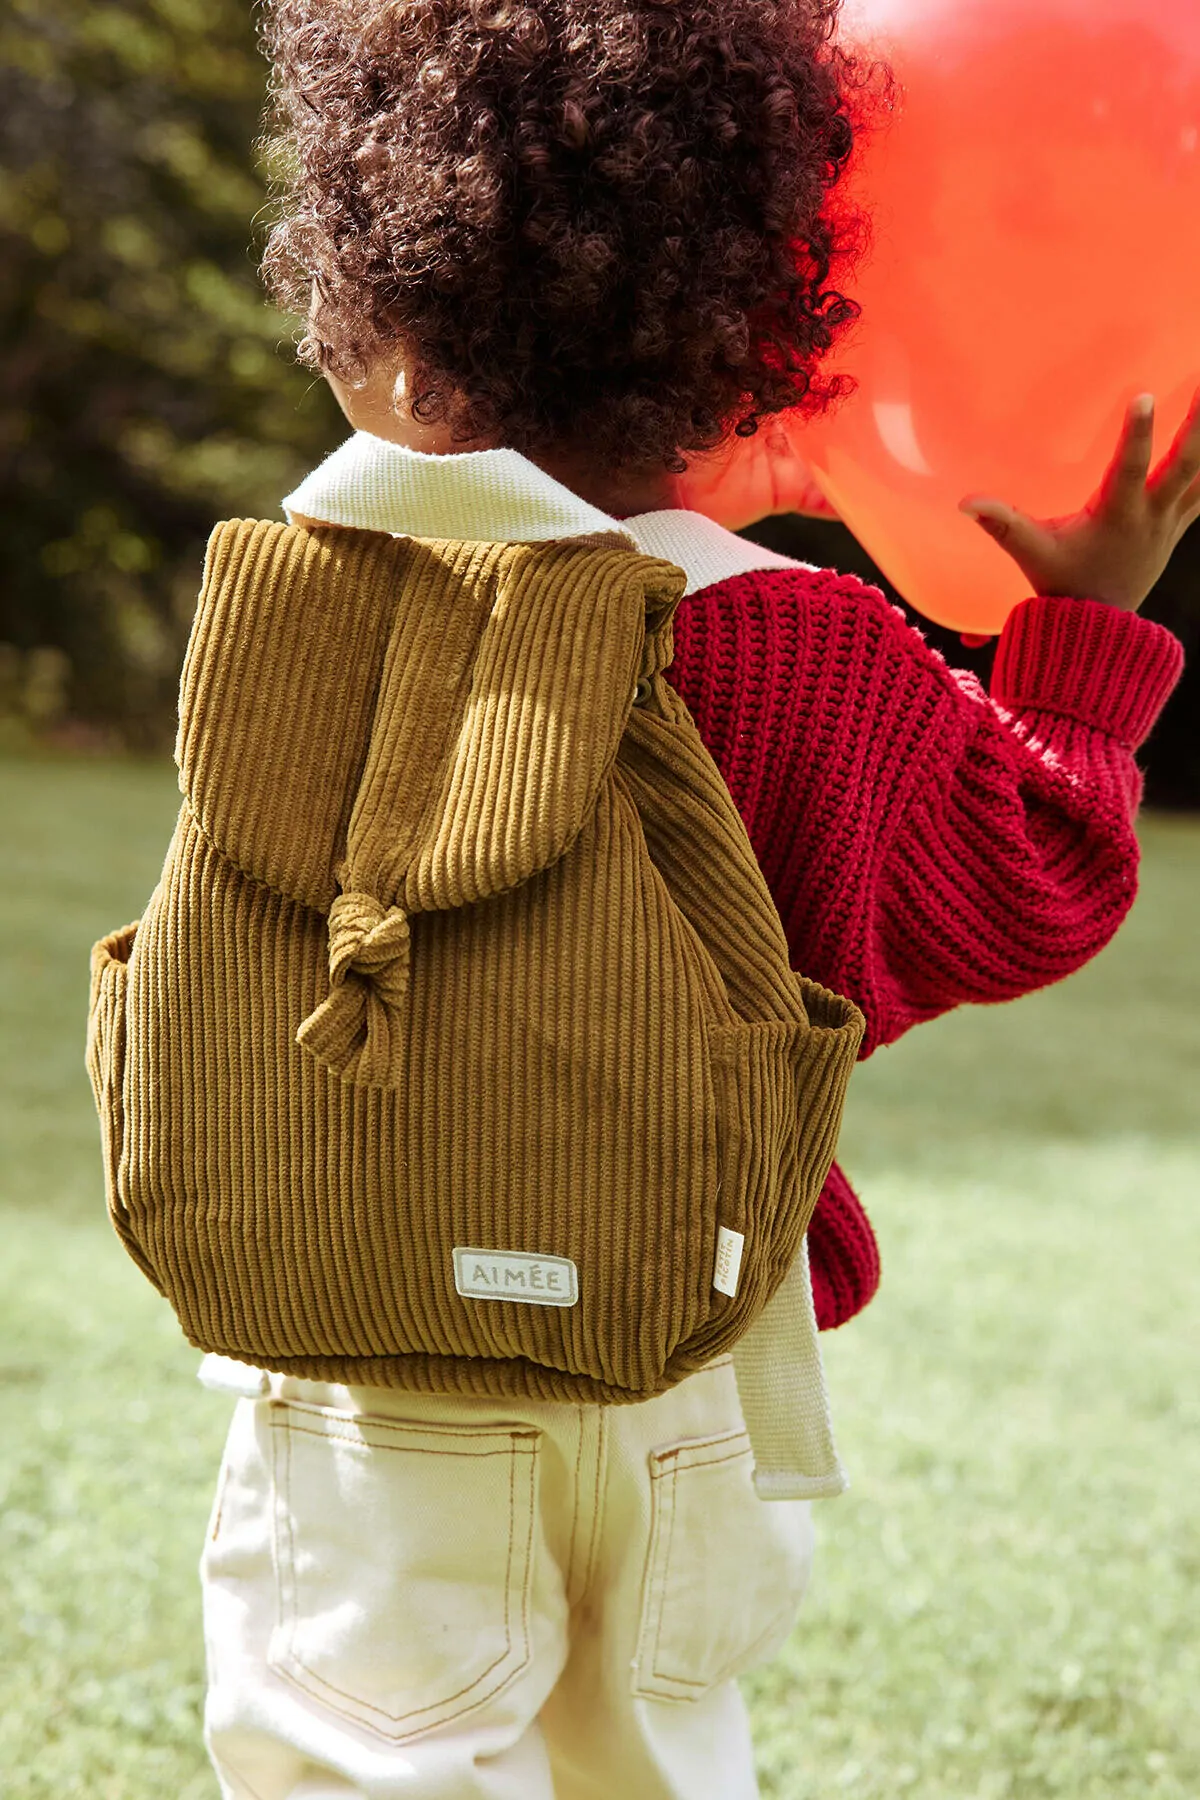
458, 1047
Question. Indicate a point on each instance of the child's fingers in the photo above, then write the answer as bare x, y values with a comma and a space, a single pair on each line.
1181, 465
1125, 478
1031, 546
993, 515
1009, 527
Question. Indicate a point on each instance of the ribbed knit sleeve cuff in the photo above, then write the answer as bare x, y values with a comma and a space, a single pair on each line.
1087, 661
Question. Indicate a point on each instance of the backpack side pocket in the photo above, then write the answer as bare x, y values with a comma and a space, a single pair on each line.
105, 1059
780, 1086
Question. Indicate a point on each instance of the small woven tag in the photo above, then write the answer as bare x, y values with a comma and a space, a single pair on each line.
729, 1260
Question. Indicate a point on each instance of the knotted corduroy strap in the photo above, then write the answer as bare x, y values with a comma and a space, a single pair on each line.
359, 1030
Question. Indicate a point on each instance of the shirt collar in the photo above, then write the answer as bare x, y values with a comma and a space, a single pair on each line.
499, 496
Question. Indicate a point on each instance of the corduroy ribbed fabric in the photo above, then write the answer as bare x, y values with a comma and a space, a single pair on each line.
456, 946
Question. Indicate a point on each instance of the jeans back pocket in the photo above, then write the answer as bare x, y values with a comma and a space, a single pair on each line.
404, 1558
725, 1571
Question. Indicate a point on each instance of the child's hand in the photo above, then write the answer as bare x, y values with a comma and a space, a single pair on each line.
1118, 546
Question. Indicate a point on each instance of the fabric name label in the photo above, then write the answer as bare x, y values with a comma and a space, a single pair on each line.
515, 1275
729, 1260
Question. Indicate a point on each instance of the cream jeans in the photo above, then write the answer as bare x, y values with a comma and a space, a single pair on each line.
435, 1598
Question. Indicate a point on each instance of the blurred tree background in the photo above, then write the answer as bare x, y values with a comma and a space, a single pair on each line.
148, 390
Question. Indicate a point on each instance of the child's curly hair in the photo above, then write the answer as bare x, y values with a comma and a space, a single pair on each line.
597, 226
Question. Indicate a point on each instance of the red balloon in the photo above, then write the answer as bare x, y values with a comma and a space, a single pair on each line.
1036, 263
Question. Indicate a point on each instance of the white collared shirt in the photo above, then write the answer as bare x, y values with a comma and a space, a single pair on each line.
499, 496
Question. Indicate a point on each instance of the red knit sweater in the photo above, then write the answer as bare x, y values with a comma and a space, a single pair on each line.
925, 843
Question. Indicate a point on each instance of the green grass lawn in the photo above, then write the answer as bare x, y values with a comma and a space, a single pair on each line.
1005, 1603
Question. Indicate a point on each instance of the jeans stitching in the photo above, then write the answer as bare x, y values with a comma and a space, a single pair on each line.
520, 1445
570, 1570
668, 1467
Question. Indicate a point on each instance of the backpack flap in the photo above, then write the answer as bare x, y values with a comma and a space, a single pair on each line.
437, 735
280, 684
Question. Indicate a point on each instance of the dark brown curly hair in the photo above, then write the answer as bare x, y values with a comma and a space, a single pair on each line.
594, 226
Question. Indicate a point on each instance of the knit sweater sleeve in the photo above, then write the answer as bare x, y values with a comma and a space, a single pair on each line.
927, 843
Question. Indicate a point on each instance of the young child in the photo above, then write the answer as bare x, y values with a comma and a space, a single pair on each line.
552, 248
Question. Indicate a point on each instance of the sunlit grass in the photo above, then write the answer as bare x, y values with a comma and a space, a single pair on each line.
1004, 1603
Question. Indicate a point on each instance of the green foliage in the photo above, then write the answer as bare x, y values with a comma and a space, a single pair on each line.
147, 388
1004, 1604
